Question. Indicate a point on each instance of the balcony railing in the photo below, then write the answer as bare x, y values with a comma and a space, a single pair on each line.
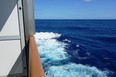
35, 66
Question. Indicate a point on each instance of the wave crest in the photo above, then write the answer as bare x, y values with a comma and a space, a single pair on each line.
46, 35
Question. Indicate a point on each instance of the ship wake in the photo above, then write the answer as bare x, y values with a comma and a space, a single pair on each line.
56, 61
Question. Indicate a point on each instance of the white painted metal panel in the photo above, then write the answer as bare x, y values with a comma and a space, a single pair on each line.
9, 53
11, 26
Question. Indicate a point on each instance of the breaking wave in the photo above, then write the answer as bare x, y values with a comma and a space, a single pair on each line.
56, 62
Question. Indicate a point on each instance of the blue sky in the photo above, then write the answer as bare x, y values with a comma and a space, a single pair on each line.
75, 9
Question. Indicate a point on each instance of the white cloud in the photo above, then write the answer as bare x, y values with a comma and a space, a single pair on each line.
88, 0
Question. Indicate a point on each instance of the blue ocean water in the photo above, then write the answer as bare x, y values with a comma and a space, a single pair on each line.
77, 48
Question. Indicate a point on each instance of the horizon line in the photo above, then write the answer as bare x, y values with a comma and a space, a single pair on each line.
75, 19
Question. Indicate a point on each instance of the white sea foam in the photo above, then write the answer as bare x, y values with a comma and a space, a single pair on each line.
47, 35
50, 47
74, 70
77, 45
66, 40
52, 51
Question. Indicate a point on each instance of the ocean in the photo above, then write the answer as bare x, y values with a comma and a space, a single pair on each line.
77, 48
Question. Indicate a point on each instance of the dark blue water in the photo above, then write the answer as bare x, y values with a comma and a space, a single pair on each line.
93, 40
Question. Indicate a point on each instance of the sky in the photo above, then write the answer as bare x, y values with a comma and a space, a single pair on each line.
75, 9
